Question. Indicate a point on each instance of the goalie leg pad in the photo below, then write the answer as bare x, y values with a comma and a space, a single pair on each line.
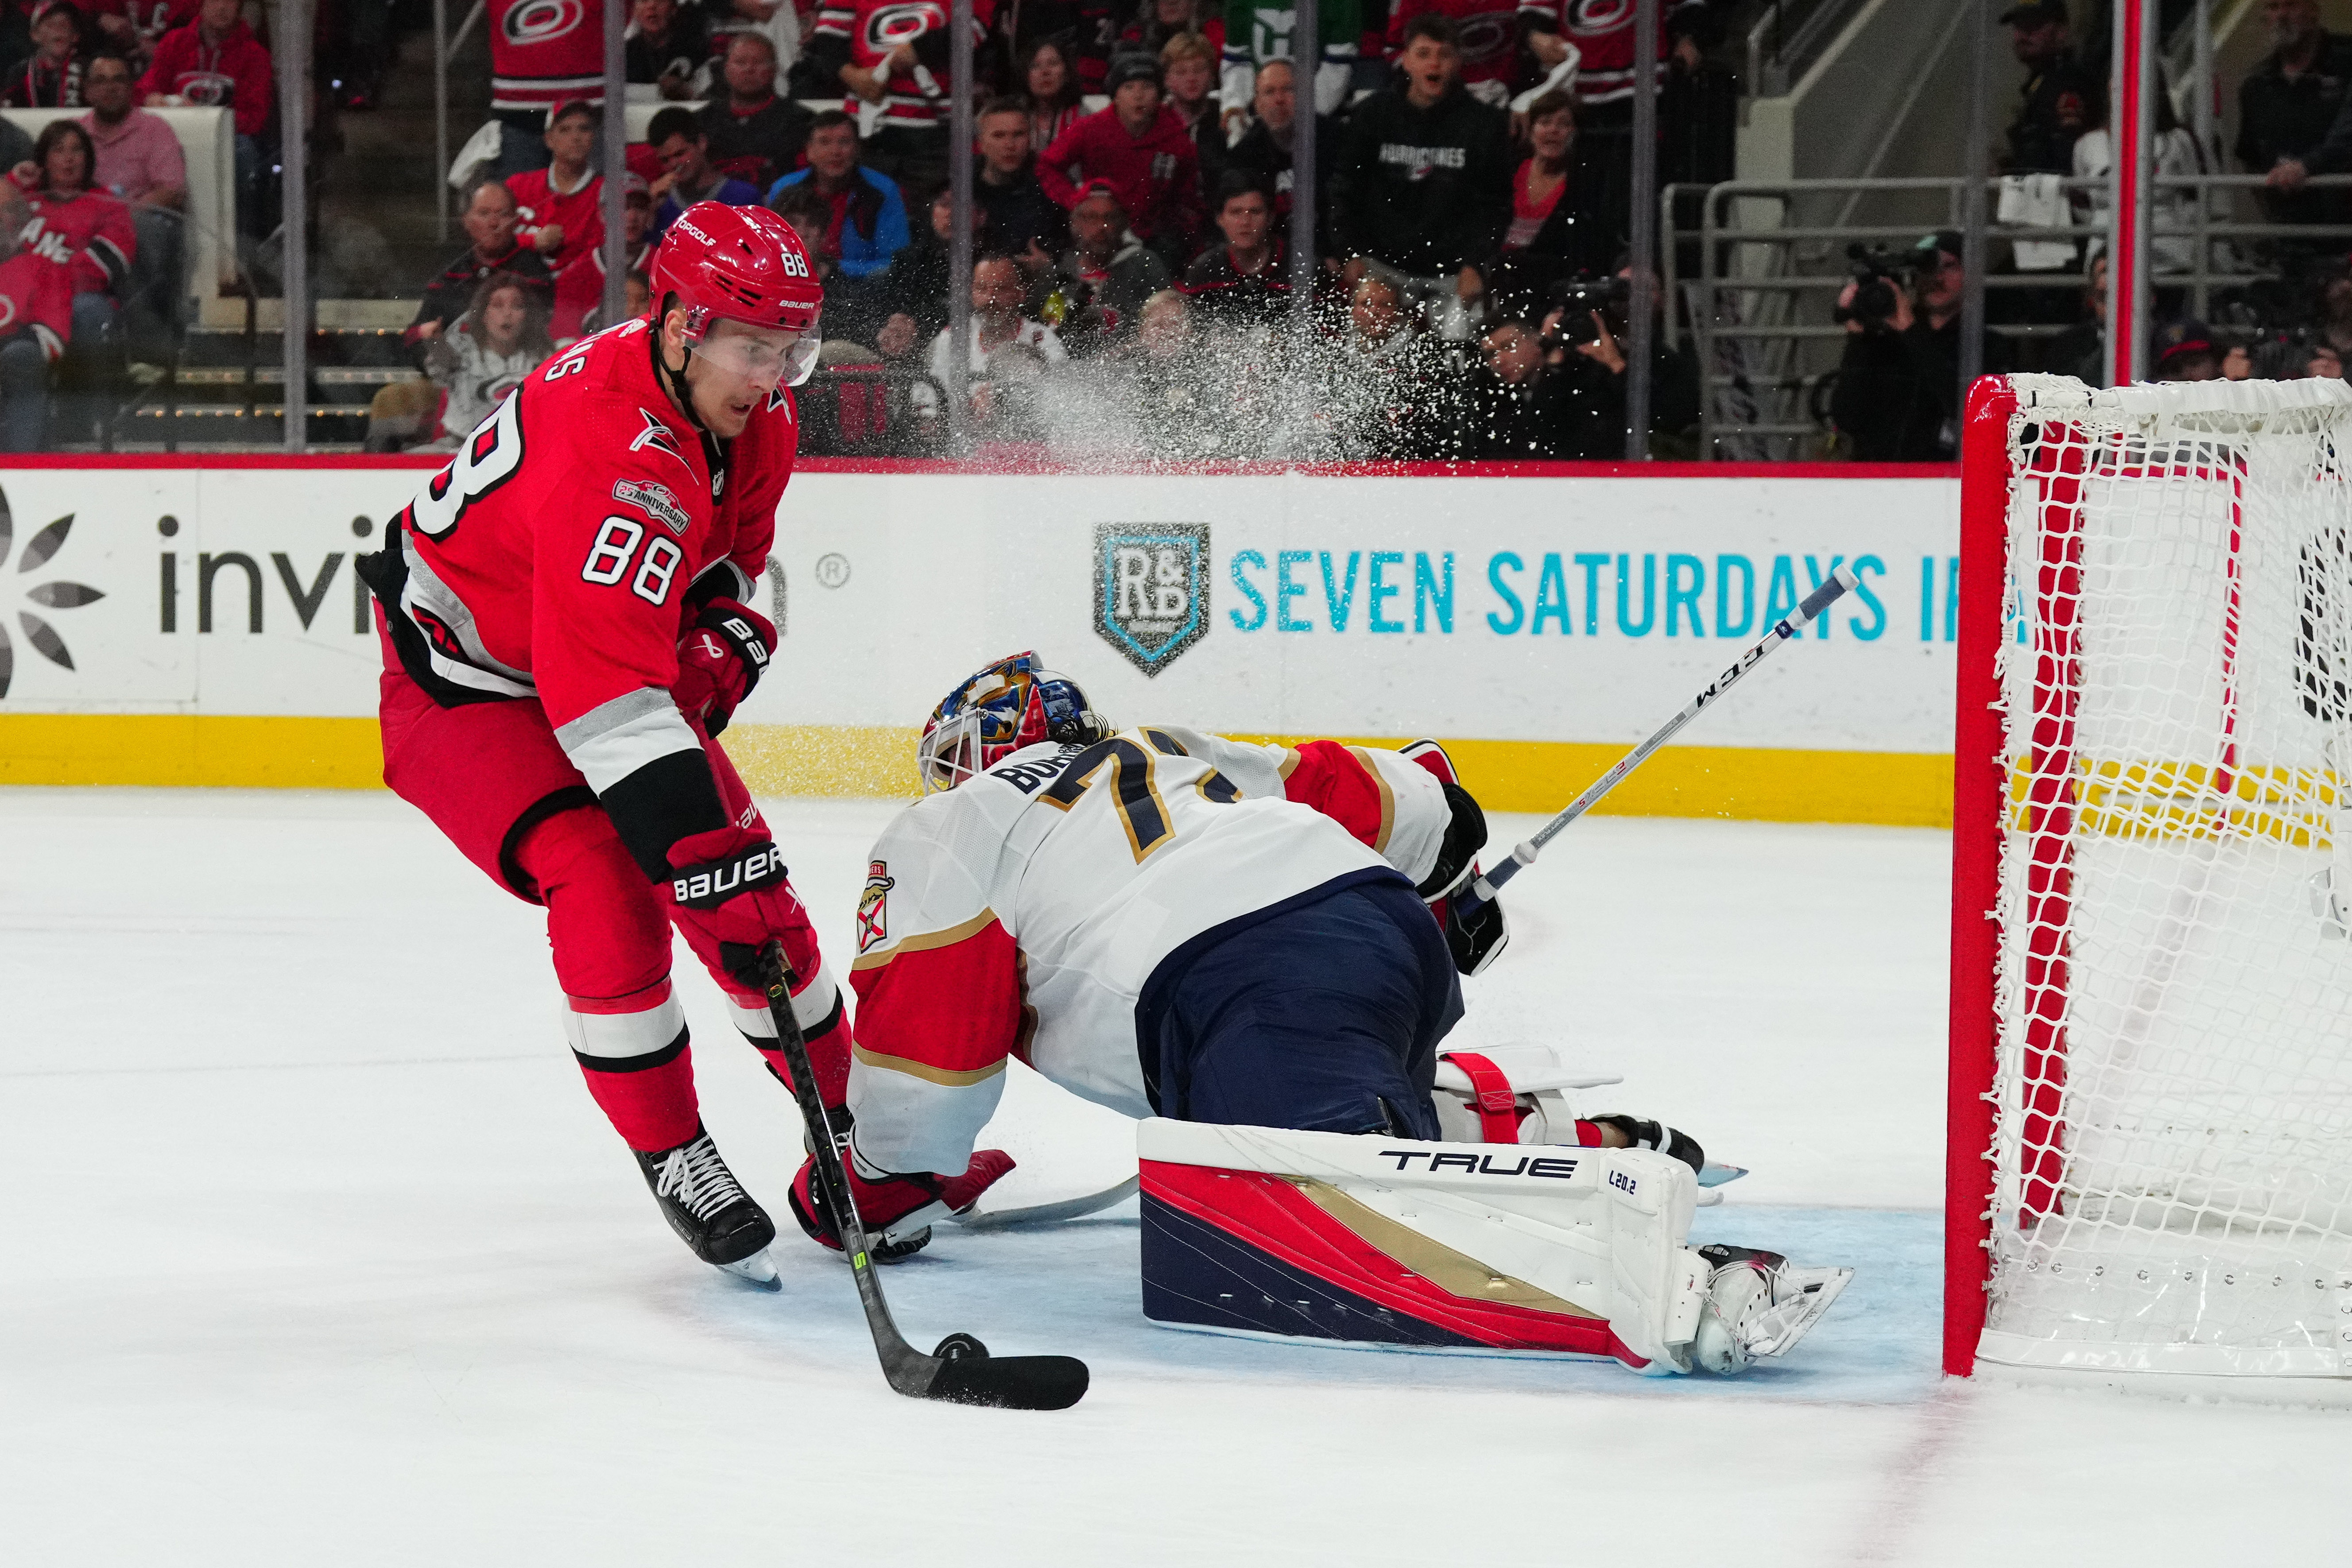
1403, 1242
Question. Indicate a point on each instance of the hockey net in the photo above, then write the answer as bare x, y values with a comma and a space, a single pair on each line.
2151, 1164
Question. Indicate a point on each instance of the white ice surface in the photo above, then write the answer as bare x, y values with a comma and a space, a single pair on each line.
313, 1250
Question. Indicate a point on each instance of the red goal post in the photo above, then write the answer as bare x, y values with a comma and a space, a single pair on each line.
2149, 1158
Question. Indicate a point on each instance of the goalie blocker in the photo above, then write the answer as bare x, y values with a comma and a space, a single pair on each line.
1437, 1245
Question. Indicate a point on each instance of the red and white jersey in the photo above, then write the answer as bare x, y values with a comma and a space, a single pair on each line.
1023, 912
37, 295
1602, 31
552, 558
546, 52
580, 213
92, 233
872, 29
1489, 31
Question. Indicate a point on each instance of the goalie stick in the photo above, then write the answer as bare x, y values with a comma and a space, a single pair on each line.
961, 1370
1481, 892
1047, 1213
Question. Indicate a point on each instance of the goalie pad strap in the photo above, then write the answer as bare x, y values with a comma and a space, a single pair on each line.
1492, 1097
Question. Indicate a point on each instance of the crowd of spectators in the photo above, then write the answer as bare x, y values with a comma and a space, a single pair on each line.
1896, 392
1134, 176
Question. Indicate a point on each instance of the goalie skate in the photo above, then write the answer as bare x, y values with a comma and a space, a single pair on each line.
1758, 1305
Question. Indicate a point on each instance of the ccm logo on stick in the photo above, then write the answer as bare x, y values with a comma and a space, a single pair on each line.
1479, 1165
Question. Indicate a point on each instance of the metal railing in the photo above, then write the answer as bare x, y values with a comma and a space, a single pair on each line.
1756, 298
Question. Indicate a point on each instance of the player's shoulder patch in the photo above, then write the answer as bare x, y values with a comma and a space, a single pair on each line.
874, 906
657, 501
659, 436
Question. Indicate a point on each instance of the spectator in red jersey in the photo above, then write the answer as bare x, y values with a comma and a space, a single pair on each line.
1603, 38
669, 47
1023, 221
36, 306
869, 215
1050, 89
1105, 276
51, 79
541, 58
1140, 148
754, 136
895, 54
93, 230
490, 220
687, 175
1245, 281
580, 288
215, 60
93, 226
559, 210
1487, 34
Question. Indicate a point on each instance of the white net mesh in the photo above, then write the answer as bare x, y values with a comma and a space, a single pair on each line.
2173, 1096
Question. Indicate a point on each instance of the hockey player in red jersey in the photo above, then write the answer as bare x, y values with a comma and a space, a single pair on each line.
1236, 942
566, 625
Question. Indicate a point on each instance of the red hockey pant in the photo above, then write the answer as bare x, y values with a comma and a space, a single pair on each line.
492, 778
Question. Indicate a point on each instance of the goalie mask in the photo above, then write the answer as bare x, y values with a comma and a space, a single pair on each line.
1012, 703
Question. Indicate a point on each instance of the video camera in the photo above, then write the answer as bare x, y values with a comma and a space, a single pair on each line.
1878, 273
1578, 298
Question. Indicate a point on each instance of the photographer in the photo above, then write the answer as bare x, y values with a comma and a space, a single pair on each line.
1560, 392
1897, 397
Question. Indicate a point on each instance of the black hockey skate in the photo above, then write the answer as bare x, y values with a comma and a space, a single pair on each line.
709, 1209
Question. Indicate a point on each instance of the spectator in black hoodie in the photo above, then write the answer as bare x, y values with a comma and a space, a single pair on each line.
1024, 222
910, 300
1424, 184
1263, 149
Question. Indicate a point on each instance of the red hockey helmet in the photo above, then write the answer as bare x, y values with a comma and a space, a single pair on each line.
740, 264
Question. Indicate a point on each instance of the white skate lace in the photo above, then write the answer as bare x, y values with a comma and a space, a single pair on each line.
695, 1175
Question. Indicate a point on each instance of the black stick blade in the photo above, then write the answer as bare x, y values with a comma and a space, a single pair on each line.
1011, 1383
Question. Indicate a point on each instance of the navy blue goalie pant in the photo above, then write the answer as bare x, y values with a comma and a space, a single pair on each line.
1322, 1013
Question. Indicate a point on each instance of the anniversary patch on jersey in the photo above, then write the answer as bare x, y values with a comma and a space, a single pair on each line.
1152, 589
874, 906
656, 501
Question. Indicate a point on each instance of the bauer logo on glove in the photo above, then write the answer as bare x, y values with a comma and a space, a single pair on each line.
708, 887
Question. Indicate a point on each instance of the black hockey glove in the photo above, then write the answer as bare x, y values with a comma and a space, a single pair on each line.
1466, 834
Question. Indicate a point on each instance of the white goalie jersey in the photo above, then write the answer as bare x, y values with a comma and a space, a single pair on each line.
1023, 912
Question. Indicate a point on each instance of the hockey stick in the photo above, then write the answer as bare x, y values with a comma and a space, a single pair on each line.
1483, 891
1046, 1214
961, 1370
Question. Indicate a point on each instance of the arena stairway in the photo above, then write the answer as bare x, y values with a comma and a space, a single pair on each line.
226, 390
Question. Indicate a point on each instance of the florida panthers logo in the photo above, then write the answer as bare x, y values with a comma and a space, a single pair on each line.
537, 21
873, 906
1597, 18
887, 26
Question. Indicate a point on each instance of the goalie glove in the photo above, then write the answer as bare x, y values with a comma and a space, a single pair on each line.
1477, 941
720, 660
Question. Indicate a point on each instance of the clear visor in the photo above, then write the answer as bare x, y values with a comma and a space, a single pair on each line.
764, 354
